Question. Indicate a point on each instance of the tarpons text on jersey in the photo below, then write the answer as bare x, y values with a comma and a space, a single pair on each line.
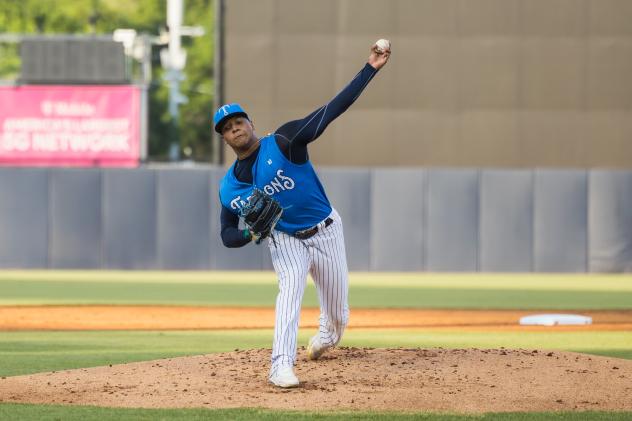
279, 183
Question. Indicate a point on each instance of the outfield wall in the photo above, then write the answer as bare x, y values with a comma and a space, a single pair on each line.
396, 219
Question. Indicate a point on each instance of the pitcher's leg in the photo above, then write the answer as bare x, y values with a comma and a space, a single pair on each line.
330, 273
291, 262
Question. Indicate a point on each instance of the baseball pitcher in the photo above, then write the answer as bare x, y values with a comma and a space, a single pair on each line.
274, 189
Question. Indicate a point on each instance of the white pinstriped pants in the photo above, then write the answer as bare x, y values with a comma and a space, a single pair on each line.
323, 256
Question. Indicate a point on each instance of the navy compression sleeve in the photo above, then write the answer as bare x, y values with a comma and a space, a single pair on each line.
232, 236
295, 135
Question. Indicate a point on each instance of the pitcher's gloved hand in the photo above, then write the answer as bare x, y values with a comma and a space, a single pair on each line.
261, 214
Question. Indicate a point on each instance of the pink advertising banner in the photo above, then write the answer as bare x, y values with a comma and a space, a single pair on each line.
70, 125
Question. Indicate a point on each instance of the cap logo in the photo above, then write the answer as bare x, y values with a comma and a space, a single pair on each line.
224, 109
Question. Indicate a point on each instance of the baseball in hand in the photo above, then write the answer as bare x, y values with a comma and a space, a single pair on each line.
383, 45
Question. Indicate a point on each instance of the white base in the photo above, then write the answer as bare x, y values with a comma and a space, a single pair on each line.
555, 319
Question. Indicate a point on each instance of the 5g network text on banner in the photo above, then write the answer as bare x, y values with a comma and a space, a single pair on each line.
70, 125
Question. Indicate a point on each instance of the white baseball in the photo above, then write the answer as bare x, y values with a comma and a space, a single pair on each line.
383, 45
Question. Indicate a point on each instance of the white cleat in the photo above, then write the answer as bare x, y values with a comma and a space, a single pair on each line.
315, 348
284, 377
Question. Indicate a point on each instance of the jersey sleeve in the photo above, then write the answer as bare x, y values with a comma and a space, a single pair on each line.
297, 134
232, 236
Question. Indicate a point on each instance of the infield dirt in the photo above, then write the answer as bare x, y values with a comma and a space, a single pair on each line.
120, 317
455, 380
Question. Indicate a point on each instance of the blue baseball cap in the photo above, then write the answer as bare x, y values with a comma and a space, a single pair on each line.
225, 112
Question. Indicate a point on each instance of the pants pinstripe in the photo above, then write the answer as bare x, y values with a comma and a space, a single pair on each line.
323, 256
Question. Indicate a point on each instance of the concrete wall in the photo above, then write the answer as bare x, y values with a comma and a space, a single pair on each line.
396, 219
471, 83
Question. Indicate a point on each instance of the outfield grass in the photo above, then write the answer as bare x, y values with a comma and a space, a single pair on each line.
403, 290
564, 281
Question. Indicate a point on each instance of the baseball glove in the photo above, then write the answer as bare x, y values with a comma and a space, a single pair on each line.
261, 214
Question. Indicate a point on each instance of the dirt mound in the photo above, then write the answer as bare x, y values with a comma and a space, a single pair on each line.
461, 380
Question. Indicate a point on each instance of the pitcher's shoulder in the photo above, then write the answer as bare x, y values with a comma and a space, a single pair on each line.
267, 138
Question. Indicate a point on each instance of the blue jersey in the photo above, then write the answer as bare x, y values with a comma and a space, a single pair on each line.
295, 186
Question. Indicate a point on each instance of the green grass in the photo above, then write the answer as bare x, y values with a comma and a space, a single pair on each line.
70, 413
64, 292
592, 282
37, 292
614, 344
398, 290
31, 352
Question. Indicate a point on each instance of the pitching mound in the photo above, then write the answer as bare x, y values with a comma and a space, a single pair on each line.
461, 380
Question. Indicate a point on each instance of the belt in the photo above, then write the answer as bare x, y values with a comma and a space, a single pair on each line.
310, 232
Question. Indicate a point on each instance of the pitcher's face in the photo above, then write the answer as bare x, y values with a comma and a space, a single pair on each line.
238, 132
